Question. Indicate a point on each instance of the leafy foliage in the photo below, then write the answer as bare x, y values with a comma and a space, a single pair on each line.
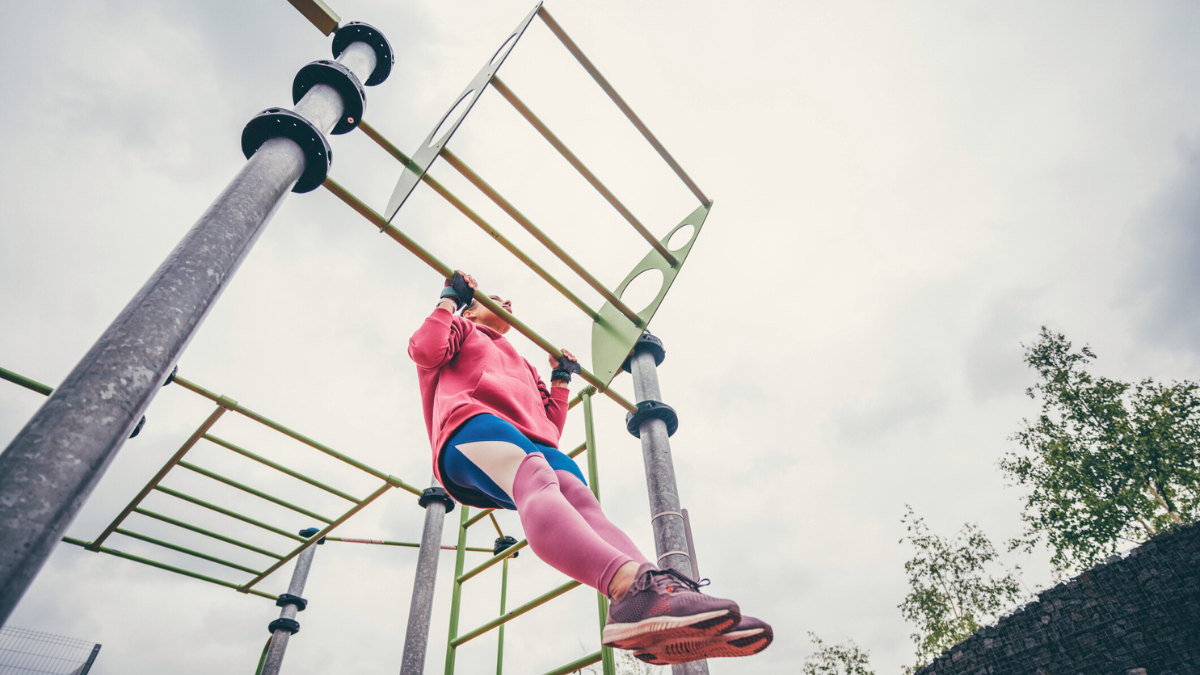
951, 594
1107, 462
845, 659
627, 664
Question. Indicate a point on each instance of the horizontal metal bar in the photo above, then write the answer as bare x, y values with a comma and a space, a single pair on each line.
281, 468
312, 541
499, 621
546, 241
509, 246
578, 450
32, 385
616, 98
441, 268
583, 170
483, 513
257, 493
153, 482
577, 664
244, 411
226, 512
406, 544
188, 551
208, 533
506, 553
169, 568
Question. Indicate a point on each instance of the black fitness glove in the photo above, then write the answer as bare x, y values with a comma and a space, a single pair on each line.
564, 370
458, 290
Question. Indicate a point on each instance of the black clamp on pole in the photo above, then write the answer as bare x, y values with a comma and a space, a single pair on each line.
436, 494
309, 532
646, 343
503, 544
288, 599
334, 74
276, 122
290, 625
651, 410
357, 31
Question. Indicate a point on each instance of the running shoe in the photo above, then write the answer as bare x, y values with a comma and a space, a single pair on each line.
749, 637
665, 606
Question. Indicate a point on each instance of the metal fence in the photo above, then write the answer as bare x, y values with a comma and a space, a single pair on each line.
24, 651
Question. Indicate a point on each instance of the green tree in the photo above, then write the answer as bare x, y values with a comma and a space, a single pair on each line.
1106, 462
845, 659
951, 594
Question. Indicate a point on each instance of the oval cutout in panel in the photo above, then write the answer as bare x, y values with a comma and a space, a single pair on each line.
681, 237
452, 117
503, 48
643, 289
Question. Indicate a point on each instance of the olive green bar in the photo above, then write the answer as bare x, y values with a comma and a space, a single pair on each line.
495, 524
546, 241
200, 530
282, 469
406, 544
587, 174
578, 450
188, 551
242, 410
169, 568
506, 553
257, 493
318, 14
153, 482
478, 517
499, 621
441, 268
226, 512
23, 381
509, 246
312, 541
577, 664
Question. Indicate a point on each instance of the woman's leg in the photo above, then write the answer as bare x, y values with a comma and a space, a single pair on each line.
586, 504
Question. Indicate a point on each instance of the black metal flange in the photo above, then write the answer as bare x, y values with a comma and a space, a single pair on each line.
289, 599
290, 625
651, 410
171, 377
646, 343
436, 494
277, 122
138, 429
357, 31
503, 544
334, 74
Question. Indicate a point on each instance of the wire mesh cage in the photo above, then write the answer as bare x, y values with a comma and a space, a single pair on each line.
24, 651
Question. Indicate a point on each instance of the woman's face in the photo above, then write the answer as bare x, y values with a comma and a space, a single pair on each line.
483, 316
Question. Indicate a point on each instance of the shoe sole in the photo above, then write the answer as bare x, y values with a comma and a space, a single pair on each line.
648, 633
728, 645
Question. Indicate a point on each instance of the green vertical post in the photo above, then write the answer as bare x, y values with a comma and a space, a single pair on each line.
503, 598
456, 598
589, 432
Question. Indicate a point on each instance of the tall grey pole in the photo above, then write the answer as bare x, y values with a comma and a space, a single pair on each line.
416, 638
653, 423
283, 628
56, 460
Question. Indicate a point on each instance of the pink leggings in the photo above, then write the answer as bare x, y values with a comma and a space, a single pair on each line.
565, 526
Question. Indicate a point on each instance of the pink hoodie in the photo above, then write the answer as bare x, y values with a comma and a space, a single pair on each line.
467, 370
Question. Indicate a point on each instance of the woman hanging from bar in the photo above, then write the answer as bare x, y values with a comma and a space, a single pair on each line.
494, 427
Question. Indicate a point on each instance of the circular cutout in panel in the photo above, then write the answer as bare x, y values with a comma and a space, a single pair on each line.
452, 117
503, 49
681, 237
643, 289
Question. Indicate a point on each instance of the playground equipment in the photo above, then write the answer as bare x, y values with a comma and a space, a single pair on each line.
87, 418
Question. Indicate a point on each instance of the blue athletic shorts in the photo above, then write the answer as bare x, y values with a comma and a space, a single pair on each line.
468, 484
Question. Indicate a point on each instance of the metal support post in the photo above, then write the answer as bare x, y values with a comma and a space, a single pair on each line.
56, 460
655, 422
286, 625
416, 638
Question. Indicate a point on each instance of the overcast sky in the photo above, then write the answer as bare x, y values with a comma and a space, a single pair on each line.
903, 195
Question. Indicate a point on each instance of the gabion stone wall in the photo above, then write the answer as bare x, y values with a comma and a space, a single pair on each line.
1137, 615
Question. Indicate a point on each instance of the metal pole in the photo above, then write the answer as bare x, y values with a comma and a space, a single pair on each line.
416, 638
286, 625
56, 460
670, 540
